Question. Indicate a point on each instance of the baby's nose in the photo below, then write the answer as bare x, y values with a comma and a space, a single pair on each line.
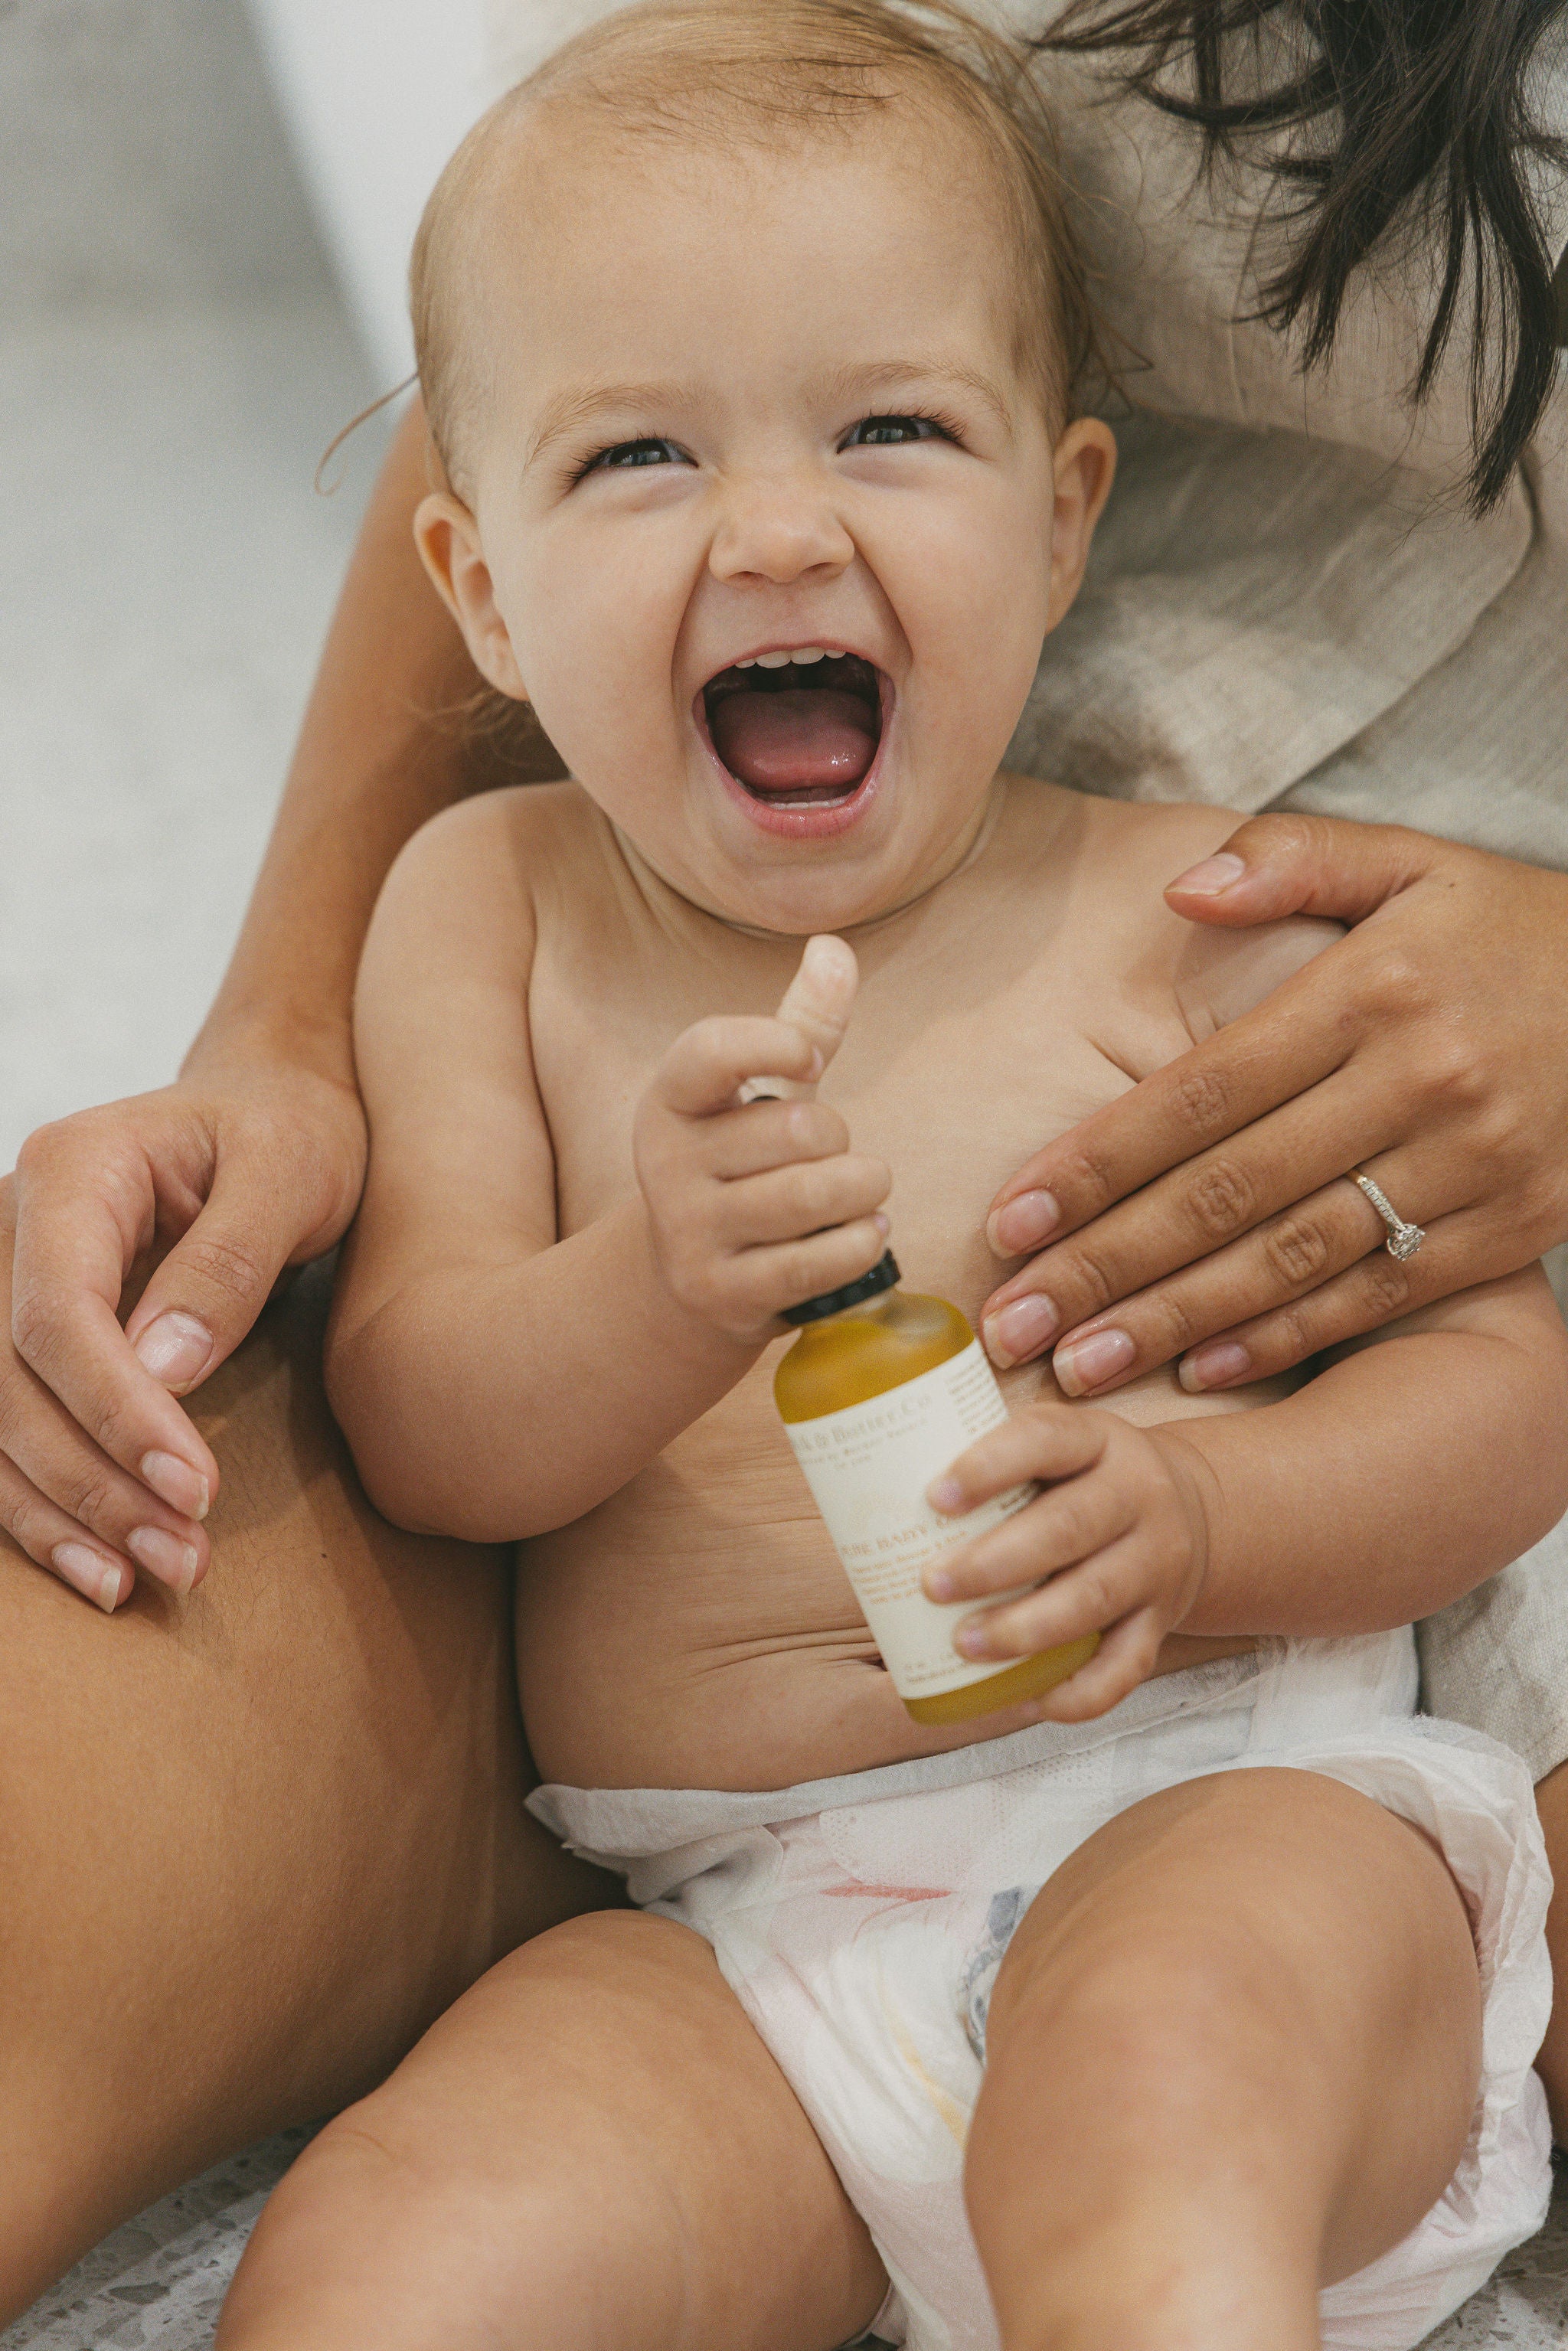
778, 530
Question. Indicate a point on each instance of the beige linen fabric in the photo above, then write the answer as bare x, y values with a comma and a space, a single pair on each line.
1289, 607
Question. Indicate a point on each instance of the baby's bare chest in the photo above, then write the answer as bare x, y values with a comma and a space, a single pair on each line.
953, 1082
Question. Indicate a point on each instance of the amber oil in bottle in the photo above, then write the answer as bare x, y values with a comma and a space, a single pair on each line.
879, 1395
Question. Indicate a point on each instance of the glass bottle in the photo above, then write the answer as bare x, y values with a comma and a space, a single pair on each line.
879, 1395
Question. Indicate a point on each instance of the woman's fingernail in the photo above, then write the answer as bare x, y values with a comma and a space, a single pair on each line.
174, 1563
175, 1482
1020, 1330
1214, 1367
938, 1585
1089, 1363
946, 1494
1214, 874
88, 1572
176, 1349
1023, 1224
971, 1640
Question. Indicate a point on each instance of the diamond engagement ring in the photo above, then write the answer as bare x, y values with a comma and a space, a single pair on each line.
1403, 1239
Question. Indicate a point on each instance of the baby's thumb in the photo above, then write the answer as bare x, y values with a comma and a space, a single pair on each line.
820, 998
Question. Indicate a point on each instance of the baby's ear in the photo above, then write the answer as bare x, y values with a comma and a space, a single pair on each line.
447, 538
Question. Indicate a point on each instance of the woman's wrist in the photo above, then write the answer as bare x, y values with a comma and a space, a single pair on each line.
246, 1040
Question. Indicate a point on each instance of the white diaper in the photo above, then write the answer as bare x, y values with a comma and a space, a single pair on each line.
861, 1922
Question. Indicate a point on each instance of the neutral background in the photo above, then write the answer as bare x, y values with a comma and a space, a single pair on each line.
175, 357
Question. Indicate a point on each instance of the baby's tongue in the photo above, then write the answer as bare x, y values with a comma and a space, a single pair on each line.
814, 739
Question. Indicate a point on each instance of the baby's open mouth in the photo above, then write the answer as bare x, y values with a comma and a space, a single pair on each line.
796, 730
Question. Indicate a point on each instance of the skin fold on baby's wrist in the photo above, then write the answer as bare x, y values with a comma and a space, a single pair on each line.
1198, 1492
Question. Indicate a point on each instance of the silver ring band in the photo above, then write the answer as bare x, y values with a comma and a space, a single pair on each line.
1403, 1239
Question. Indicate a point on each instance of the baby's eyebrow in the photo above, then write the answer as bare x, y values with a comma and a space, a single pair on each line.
856, 380
570, 410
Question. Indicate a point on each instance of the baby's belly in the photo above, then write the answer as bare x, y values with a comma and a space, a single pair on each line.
697, 1631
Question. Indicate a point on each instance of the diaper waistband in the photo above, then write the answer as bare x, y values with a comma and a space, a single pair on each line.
646, 1821
1316, 1687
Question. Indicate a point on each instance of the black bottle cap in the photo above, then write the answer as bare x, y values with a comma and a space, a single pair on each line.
854, 1293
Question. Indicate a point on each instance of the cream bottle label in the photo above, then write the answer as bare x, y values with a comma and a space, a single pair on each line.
868, 1469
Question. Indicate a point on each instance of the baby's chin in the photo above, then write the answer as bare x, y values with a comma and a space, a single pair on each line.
795, 888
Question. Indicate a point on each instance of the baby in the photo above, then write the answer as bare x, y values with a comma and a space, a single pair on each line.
1191, 2007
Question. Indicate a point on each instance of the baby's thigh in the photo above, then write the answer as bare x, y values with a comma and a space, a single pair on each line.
592, 2147
1253, 1999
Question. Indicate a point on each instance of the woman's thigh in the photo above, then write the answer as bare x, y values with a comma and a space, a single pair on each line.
593, 2146
251, 1843
1242, 2024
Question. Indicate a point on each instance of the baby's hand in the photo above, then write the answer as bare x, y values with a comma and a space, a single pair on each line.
1120, 1531
757, 1205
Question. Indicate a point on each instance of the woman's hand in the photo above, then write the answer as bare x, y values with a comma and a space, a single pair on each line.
218, 1182
1205, 1214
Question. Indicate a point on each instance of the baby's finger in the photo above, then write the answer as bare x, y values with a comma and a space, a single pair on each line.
759, 1284
1069, 1524
791, 1203
706, 1068
1087, 1598
1126, 1655
820, 998
766, 1134
1047, 1440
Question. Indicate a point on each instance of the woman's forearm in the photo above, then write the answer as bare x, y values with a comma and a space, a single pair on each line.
381, 748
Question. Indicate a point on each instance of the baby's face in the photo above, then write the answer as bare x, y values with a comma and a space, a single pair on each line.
766, 519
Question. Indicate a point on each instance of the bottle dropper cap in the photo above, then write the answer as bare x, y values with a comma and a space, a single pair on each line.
854, 1293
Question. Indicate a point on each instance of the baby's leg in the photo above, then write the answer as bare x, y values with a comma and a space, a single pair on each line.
1233, 2054
593, 2148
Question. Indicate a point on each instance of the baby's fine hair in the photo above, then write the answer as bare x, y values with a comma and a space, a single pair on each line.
781, 73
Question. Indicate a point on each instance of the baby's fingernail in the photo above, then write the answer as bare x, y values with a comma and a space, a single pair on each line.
174, 1563
175, 1482
972, 1641
1016, 1332
883, 1224
1089, 1363
1213, 875
88, 1572
1214, 1367
947, 1495
176, 1349
1023, 1224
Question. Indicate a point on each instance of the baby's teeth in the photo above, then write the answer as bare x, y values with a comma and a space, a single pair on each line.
774, 661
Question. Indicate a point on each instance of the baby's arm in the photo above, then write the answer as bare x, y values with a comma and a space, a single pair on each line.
1402, 1475
493, 1380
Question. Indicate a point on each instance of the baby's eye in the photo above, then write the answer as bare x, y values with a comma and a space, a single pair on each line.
627, 454
888, 432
